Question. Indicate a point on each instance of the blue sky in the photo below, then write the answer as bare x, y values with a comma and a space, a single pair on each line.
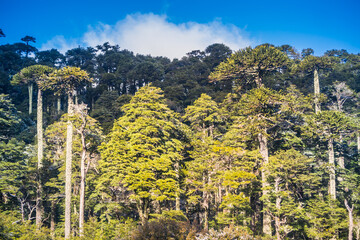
175, 27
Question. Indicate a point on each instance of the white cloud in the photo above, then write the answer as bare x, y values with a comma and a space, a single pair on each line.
156, 35
61, 44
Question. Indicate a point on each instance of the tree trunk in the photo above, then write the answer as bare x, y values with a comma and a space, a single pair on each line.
39, 208
265, 155
30, 88
341, 160
177, 198
206, 202
82, 185
52, 217
332, 184
278, 206
358, 143
341, 155
22, 210
351, 221
317, 91
68, 163
58, 105
142, 207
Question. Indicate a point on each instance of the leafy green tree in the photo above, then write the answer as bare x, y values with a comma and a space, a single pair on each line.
307, 52
9, 118
325, 218
204, 118
258, 112
29, 48
108, 108
292, 180
290, 51
327, 126
52, 58
142, 152
18, 178
216, 53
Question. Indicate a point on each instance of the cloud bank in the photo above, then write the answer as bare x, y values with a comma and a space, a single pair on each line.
156, 35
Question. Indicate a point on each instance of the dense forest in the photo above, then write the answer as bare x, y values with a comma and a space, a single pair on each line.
101, 143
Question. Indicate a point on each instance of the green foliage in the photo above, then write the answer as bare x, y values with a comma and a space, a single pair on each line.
33, 74
142, 150
326, 125
13, 167
66, 79
250, 65
325, 219
310, 62
9, 118
210, 169
292, 179
10, 229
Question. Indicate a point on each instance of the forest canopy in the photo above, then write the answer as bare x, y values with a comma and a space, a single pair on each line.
254, 143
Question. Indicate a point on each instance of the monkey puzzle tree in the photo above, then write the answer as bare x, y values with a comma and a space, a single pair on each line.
327, 126
250, 65
312, 65
68, 79
37, 74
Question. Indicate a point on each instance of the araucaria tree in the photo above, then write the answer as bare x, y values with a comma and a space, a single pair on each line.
142, 153
248, 66
37, 74
313, 65
251, 65
68, 80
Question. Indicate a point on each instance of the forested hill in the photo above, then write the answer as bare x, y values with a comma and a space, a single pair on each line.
256, 143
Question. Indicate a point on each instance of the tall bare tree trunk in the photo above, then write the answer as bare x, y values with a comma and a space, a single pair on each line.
317, 91
351, 220
30, 88
341, 155
68, 163
39, 207
358, 142
206, 202
83, 176
278, 206
332, 183
52, 217
58, 105
265, 155
177, 198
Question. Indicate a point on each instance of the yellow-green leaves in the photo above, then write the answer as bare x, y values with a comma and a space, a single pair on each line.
66, 79
143, 150
34, 73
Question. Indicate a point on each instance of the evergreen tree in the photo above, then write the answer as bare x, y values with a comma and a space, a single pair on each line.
250, 65
143, 153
